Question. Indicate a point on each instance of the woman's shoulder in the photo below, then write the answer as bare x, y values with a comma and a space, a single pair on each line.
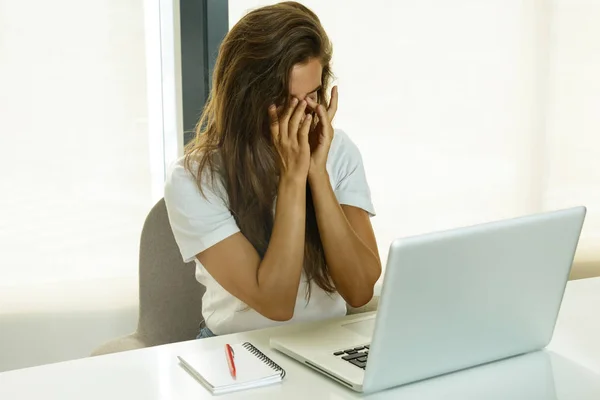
182, 180
344, 152
197, 208
347, 173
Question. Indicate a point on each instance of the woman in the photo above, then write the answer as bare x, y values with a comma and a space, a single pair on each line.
269, 201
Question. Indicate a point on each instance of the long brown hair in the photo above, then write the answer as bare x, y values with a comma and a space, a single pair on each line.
232, 136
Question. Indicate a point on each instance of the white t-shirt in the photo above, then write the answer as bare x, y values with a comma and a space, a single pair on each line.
199, 223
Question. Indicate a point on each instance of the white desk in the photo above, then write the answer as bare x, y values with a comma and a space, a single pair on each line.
154, 373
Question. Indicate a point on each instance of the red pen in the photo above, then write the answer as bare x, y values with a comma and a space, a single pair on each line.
230, 356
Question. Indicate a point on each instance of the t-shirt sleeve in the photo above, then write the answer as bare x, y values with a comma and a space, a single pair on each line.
351, 186
198, 220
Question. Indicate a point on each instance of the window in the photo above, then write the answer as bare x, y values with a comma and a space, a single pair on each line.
75, 161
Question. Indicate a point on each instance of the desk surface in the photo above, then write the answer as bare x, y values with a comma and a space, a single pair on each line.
568, 369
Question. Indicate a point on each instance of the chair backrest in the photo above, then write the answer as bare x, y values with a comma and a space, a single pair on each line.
170, 296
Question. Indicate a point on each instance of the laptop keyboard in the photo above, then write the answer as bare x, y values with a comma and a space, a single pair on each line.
356, 356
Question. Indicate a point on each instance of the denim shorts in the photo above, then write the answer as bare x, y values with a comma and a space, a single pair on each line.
205, 333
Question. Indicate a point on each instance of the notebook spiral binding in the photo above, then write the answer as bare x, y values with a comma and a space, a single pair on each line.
261, 356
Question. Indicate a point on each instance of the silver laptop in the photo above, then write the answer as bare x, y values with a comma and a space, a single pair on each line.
450, 300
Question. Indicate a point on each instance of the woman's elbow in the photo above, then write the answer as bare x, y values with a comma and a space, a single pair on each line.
276, 312
281, 316
360, 299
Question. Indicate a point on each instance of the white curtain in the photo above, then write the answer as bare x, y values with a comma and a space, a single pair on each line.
469, 111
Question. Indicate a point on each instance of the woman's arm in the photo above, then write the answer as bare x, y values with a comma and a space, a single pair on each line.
270, 286
346, 232
349, 243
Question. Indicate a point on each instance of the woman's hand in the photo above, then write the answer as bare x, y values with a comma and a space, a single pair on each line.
290, 137
322, 136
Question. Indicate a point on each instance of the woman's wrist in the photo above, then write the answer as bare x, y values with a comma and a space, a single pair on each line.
292, 180
318, 176
292, 186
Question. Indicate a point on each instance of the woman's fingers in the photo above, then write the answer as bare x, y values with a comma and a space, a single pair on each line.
311, 103
322, 112
304, 131
299, 112
284, 120
324, 118
333, 103
274, 123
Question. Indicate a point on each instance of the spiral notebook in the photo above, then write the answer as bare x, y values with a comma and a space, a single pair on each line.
253, 369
